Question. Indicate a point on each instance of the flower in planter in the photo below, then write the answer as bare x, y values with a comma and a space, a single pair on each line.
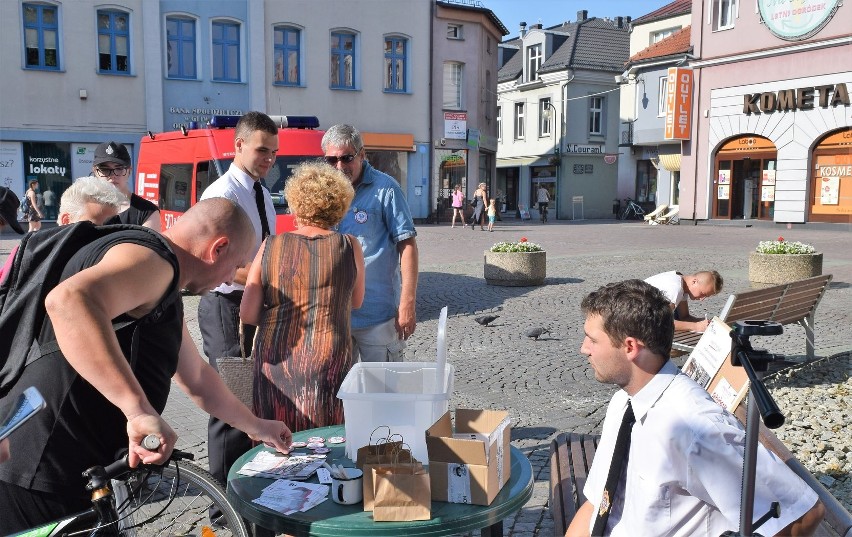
780, 246
522, 245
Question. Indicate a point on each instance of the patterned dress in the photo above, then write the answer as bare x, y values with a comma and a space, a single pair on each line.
303, 346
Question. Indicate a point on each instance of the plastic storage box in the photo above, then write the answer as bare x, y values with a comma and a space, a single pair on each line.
405, 396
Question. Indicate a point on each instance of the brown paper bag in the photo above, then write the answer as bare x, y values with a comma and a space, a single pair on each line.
376, 456
402, 493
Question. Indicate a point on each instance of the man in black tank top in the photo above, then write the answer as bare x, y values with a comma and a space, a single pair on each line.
112, 163
100, 395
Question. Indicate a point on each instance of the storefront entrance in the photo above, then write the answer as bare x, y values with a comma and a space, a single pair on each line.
831, 179
744, 179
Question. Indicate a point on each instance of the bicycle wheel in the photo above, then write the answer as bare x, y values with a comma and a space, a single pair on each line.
180, 499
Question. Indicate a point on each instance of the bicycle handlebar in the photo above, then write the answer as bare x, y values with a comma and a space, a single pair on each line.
98, 476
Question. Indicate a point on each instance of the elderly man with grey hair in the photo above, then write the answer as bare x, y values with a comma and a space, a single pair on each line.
89, 198
381, 220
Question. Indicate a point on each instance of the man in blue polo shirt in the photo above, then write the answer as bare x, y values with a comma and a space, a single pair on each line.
381, 220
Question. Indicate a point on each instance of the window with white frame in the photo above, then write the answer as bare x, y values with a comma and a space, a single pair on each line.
342, 60
724, 13
396, 65
659, 35
533, 62
545, 117
499, 123
226, 51
41, 36
519, 121
180, 47
287, 52
596, 113
661, 97
453, 79
113, 42
454, 31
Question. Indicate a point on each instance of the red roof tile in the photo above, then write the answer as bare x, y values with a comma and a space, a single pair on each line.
677, 43
678, 7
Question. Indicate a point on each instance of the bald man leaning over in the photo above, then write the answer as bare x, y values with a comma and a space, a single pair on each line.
99, 402
678, 287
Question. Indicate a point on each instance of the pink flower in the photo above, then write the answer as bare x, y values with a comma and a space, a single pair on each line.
523, 239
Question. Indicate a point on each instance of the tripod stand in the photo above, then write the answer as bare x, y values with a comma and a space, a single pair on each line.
760, 404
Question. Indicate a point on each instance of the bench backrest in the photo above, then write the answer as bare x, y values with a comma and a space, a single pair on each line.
785, 304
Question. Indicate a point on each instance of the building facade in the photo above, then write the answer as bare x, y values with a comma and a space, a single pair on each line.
558, 116
78, 76
649, 164
771, 125
464, 99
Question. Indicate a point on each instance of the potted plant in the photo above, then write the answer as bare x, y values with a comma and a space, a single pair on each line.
515, 264
780, 261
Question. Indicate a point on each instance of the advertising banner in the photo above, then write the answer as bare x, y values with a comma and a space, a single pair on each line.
49, 163
799, 19
12, 168
678, 104
455, 125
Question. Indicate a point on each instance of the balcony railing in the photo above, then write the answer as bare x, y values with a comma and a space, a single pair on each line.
626, 134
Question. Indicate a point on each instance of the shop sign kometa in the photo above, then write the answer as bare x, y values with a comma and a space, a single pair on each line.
795, 20
785, 100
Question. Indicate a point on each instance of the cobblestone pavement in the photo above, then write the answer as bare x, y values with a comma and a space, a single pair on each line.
546, 385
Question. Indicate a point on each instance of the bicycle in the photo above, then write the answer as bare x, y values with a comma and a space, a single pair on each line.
172, 499
631, 211
542, 209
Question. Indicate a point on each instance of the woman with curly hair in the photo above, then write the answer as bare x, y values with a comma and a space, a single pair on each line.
300, 292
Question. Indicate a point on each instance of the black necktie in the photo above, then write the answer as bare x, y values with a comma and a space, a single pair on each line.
622, 448
261, 209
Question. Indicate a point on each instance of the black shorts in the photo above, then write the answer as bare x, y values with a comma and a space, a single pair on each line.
542, 205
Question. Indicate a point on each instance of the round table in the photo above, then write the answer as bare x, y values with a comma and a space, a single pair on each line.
330, 519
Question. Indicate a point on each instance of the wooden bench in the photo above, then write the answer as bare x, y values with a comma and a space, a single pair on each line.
789, 303
571, 457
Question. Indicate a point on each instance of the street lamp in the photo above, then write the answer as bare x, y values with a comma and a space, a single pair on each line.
557, 138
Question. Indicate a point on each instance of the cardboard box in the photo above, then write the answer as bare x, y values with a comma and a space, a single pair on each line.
471, 469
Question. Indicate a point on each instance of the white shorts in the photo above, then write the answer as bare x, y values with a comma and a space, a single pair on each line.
378, 343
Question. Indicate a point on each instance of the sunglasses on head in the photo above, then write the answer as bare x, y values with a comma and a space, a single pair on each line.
346, 159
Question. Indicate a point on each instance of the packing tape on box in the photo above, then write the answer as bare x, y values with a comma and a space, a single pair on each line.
498, 433
458, 483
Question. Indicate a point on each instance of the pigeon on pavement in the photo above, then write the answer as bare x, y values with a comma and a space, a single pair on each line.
485, 319
535, 333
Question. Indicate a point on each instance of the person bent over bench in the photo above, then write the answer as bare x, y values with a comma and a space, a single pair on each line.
670, 459
678, 287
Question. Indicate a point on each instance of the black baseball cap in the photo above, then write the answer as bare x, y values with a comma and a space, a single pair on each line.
9, 204
112, 152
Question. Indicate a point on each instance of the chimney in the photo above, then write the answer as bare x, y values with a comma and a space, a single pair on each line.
582, 15
619, 22
538, 26
523, 30
627, 20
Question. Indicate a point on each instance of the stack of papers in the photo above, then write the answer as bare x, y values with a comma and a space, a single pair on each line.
278, 466
288, 497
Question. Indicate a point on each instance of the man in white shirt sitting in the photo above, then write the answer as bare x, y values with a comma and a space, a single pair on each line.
681, 470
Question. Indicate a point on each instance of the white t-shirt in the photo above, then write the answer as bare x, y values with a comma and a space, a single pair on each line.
684, 470
671, 284
238, 186
543, 196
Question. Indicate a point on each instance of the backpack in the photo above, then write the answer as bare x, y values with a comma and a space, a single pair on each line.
36, 269
25, 205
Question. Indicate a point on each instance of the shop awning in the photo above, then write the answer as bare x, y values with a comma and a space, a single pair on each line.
670, 158
513, 162
380, 141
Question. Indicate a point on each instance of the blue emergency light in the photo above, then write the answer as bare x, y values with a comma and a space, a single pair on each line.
283, 122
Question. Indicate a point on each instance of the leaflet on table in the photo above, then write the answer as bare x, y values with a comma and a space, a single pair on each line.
276, 466
288, 497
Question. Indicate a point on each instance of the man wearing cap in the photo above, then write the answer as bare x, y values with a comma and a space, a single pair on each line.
112, 162
255, 147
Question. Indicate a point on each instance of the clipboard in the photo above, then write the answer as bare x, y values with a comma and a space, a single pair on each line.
709, 365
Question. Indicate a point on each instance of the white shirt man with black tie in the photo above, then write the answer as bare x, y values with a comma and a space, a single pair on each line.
255, 148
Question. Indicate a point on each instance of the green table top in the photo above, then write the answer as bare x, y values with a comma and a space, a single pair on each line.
333, 520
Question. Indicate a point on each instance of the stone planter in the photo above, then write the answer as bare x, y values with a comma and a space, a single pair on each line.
776, 269
515, 269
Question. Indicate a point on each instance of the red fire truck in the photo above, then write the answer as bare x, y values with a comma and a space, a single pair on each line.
175, 167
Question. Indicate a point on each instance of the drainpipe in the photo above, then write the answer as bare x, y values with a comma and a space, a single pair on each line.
430, 154
697, 80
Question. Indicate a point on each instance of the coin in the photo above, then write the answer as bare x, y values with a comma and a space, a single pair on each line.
336, 440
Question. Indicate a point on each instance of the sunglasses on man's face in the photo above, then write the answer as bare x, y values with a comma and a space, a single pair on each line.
346, 159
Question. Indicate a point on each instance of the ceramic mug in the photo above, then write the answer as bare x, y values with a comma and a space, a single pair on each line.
350, 490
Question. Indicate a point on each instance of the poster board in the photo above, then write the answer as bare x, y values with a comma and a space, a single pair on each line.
710, 366
525, 212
